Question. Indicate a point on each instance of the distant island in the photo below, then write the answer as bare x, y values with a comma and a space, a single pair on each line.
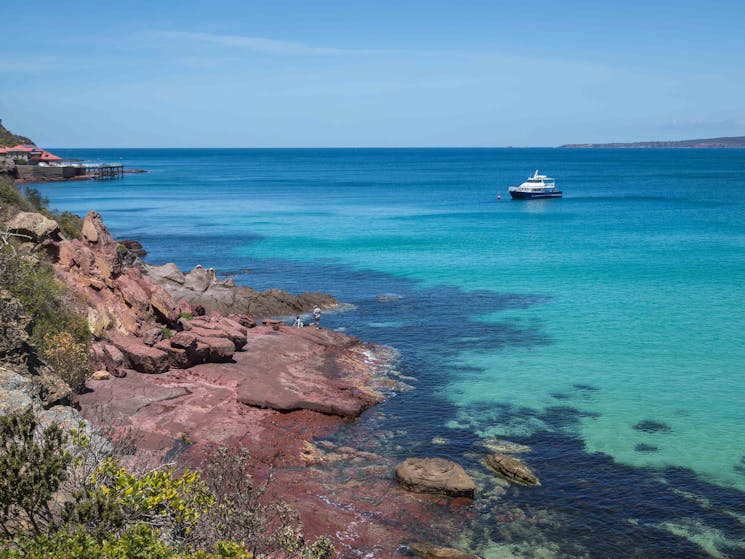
709, 143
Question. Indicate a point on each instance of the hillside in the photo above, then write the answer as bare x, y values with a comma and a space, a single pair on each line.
727, 142
7, 138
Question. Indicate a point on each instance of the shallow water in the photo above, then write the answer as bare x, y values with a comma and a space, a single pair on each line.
604, 330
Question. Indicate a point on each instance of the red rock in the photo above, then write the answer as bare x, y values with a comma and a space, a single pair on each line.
183, 308
132, 293
65, 257
82, 258
202, 353
244, 320
94, 230
141, 357
179, 358
359, 504
234, 325
163, 305
152, 336
221, 349
115, 357
184, 340
219, 330
97, 353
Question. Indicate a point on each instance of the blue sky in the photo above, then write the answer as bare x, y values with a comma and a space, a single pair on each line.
371, 73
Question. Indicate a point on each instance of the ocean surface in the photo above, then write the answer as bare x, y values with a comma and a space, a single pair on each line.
605, 330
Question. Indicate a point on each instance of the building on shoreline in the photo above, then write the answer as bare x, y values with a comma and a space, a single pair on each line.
33, 163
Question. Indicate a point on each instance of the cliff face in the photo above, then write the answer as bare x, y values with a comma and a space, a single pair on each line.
7, 138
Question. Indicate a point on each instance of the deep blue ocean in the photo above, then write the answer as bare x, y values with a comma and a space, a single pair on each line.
605, 330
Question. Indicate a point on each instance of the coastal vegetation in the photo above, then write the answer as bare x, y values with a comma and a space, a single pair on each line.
64, 496
7, 138
57, 329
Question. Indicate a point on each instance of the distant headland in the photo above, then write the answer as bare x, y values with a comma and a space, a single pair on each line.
7, 138
708, 143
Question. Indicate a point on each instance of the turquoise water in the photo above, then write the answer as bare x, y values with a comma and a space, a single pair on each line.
606, 327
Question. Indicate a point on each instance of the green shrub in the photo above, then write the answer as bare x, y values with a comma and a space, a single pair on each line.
61, 335
33, 465
186, 315
11, 197
70, 224
49, 511
167, 333
68, 358
35, 198
137, 542
41, 295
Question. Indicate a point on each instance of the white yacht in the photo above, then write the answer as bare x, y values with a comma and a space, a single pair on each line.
537, 186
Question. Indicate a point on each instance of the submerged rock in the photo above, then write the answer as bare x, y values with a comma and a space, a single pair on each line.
652, 426
511, 469
435, 475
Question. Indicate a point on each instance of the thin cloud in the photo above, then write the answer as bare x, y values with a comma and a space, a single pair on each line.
263, 45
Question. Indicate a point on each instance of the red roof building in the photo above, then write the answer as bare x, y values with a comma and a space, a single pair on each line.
31, 152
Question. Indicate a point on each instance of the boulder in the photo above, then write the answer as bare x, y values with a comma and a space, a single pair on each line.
141, 357
220, 329
94, 230
184, 340
52, 389
163, 305
101, 375
199, 279
152, 336
220, 349
435, 475
167, 272
116, 357
132, 290
178, 357
35, 226
431, 551
511, 469
182, 350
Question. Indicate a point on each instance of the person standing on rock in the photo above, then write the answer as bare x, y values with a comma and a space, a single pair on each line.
317, 317
298, 322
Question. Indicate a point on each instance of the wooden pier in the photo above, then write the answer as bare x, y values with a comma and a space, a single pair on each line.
105, 171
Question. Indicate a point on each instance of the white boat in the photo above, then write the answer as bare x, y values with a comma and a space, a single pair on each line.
537, 186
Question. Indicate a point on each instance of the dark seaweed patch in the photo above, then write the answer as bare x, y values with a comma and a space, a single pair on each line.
585, 387
642, 447
564, 416
651, 426
560, 396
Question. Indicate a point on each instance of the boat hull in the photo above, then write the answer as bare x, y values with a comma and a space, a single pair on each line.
517, 195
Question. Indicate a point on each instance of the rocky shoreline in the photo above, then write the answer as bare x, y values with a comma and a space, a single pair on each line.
183, 364
38, 178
